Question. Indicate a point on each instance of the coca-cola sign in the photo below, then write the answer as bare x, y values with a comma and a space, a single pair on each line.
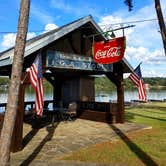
110, 51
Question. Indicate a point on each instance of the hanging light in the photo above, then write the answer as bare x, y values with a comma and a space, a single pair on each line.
107, 34
112, 34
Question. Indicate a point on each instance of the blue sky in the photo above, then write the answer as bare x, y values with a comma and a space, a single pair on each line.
144, 42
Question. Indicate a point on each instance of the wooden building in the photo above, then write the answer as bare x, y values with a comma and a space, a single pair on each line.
68, 65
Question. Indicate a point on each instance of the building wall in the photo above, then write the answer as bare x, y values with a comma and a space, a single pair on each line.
70, 91
78, 89
74, 42
87, 89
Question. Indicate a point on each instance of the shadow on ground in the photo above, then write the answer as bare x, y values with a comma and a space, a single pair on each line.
131, 115
144, 157
160, 108
36, 151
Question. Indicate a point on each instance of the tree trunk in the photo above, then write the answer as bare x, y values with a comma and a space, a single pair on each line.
161, 23
14, 88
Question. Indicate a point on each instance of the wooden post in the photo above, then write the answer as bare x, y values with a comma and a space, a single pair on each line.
117, 78
15, 83
120, 99
57, 91
16, 144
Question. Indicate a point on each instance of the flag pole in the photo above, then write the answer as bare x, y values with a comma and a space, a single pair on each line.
136, 78
27, 70
137, 66
24, 78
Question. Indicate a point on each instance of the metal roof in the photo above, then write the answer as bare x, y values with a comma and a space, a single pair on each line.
36, 43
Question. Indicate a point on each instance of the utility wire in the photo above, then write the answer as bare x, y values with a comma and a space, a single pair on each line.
16, 31
112, 30
120, 23
136, 21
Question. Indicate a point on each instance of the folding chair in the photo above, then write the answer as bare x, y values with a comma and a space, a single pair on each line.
71, 111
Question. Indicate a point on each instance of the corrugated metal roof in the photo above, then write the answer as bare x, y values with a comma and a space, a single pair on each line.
42, 40
36, 43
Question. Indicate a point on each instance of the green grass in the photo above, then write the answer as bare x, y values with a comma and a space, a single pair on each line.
146, 147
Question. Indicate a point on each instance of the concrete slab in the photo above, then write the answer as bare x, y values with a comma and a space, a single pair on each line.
44, 146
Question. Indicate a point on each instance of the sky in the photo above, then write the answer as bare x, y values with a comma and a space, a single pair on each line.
144, 42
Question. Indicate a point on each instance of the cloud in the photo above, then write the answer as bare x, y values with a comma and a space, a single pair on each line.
9, 39
80, 8
144, 42
50, 26
144, 33
145, 55
154, 73
30, 35
61, 5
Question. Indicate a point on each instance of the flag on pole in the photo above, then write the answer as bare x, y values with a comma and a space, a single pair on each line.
36, 79
136, 78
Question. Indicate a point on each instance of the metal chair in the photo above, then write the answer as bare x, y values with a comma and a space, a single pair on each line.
71, 111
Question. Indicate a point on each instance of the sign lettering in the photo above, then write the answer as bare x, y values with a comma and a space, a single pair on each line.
110, 51
76, 62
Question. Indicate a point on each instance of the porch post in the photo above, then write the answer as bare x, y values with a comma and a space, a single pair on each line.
120, 98
117, 78
57, 91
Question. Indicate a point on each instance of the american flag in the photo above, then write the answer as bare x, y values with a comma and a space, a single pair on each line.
136, 78
36, 79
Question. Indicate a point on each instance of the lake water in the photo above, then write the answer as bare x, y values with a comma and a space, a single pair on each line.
100, 96
130, 95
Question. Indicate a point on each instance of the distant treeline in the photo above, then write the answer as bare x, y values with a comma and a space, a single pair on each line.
103, 83
4, 80
157, 81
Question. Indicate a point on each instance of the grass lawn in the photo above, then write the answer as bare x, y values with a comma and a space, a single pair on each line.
146, 147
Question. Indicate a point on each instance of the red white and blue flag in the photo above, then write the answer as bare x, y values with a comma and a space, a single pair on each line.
36, 79
136, 78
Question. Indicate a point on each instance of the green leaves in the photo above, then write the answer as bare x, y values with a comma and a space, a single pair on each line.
129, 4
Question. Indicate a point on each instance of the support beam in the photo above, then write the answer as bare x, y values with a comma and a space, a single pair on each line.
117, 78
49, 79
120, 99
57, 92
83, 50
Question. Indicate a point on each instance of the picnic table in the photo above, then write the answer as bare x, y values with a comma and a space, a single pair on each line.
58, 113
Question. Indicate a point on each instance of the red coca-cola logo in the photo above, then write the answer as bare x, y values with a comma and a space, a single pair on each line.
110, 51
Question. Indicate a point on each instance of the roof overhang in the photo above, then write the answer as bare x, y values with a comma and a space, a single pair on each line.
41, 41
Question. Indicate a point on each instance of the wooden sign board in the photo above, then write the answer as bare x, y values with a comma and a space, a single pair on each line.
75, 62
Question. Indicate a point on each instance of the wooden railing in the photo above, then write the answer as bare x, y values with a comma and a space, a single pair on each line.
94, 106
28, 105
97, 111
